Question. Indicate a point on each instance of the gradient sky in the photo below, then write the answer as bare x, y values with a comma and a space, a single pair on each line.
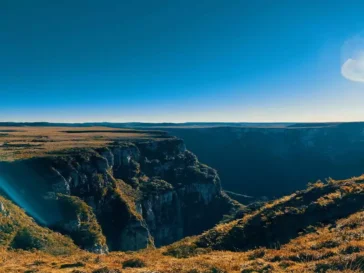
176, 61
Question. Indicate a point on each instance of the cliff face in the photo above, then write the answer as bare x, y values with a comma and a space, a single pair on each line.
273, 162
126, 196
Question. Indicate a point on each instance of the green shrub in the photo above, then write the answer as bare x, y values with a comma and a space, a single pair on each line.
74, 209
24, 239
78, 264
155, 186
185, 251
133, 263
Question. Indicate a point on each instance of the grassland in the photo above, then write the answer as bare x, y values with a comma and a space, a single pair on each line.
325, 246
26, 142
327, 249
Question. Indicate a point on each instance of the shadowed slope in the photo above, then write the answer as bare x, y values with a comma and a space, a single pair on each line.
19, 231
282, 220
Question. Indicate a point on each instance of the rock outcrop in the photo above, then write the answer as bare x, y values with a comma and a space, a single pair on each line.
2, 208
126, 196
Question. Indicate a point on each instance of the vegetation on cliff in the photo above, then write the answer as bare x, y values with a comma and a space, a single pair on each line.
283, 219
326, 235
146, 193
127, 195
20, 231
79, 221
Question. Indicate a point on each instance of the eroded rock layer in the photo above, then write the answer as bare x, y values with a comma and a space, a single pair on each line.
126, 196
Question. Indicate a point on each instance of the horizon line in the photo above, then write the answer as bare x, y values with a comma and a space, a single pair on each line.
185, 122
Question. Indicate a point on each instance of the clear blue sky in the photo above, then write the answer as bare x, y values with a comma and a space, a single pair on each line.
272, 60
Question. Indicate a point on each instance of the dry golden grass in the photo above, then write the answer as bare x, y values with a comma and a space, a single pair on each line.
327, 249
25, 142
337, 247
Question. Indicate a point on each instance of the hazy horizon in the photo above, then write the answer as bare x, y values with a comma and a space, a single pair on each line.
181, 122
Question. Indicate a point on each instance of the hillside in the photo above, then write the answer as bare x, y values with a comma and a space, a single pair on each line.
330, 239
321, 226
281, 220
19, 231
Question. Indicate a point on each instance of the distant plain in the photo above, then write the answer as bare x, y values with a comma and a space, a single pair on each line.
26, 142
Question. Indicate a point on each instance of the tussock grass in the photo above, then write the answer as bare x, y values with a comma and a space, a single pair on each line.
334, 246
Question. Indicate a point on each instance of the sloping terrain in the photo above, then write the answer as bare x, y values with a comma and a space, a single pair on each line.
323, 225
19, 231
283, 219
334, 242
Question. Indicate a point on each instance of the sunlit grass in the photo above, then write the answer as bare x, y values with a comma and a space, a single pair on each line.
27, 142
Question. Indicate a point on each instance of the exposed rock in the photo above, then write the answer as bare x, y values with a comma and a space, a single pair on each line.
134, 194
60, 184
2, 208
79, 221
135, 236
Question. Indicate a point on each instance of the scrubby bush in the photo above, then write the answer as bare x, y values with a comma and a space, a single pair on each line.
184, 251
258, 253
134, 263
155, 186
25, 239
77, 264
74, 209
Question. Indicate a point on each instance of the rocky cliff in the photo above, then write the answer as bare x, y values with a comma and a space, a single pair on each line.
272, 162
125, 196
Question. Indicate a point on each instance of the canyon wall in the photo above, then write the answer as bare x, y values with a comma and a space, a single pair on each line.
277, 161
126, 196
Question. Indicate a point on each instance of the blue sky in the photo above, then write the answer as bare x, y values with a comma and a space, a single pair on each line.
154, 61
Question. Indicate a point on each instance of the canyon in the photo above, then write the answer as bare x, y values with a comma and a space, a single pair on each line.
273, 160
126, 195
109, 200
